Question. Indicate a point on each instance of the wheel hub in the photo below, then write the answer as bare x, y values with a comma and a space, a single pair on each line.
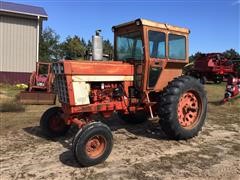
188, 110
95, 146
57, 123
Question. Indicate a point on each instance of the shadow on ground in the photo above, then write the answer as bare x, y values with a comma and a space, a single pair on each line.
118, 126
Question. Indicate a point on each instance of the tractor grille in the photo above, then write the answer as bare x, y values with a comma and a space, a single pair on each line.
61, 83
62, 90
58, 68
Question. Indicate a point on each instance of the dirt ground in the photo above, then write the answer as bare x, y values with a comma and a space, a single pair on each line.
139, 152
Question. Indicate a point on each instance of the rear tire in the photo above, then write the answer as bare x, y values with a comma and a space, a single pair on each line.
92, 144
134, 118
182, 108
52, 124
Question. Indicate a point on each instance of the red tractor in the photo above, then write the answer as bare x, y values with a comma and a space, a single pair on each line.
40, 87
212, 67
143, 82
42, 78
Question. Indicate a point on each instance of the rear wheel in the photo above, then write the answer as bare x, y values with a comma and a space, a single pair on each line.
52, 123
134, 118
182, 108
92, 144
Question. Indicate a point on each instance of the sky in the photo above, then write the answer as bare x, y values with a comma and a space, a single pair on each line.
214, 24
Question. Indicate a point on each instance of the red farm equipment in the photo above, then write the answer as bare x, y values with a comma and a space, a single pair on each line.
232, 89
212, 67
143, 82
40, 87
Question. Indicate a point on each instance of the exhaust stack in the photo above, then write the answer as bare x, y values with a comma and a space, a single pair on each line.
97, 42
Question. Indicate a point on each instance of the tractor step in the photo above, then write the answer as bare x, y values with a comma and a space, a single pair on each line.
37, 98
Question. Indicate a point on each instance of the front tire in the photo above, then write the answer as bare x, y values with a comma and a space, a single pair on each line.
92, 144
182, 108
52, 123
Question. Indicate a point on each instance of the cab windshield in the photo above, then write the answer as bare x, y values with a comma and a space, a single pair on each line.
129, 46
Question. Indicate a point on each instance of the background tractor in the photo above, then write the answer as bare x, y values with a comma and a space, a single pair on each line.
143, 82
40, 87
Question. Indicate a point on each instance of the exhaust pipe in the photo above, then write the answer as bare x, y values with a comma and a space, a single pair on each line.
97, 42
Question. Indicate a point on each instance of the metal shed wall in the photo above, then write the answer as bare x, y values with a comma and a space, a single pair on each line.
18, 44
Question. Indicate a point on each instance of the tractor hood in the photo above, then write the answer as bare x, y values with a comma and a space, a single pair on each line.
95, 71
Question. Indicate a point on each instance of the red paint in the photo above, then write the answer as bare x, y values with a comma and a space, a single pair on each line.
213, 66
232, 88
97, 68
189, 108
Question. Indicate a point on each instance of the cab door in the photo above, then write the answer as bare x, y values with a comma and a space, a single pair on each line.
157, 56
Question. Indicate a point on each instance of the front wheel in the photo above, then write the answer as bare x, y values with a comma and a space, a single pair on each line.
92, 144
52, 123
182, 108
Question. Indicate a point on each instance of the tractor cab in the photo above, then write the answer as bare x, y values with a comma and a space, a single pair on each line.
154, 49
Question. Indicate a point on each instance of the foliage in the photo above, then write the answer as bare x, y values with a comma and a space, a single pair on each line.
107, 47
195, 56
73, 47
49, 48
231, 54
89, 45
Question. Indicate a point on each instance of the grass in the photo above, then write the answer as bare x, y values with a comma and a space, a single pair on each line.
223, 115
11, 106
215, 94
9, 99
9, 90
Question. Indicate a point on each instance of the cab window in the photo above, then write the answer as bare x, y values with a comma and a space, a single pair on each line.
177, 47
129, 46
157, 44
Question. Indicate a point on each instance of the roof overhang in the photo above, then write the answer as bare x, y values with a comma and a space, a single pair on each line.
21, 10
22, 15
145, 22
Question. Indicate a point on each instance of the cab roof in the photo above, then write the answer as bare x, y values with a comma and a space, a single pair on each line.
150, 23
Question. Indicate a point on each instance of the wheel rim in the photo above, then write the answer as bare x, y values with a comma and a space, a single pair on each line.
189, 109
95, 146
57, 123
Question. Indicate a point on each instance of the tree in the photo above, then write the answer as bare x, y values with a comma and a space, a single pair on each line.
74, 47
231, 54
89, 45
49, 49
193, 57
107, 47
